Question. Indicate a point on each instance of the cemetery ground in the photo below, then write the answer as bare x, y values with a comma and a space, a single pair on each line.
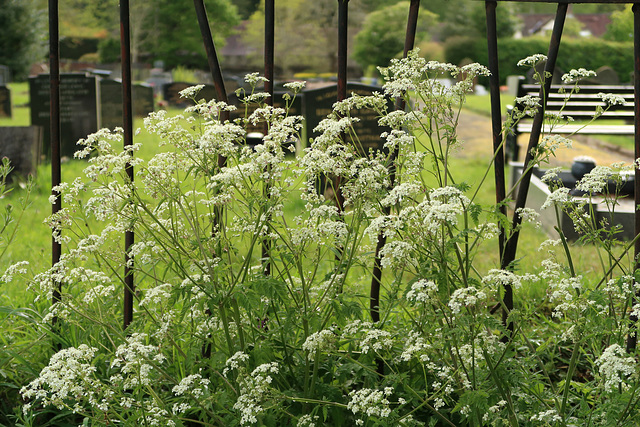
33, 240
33, 237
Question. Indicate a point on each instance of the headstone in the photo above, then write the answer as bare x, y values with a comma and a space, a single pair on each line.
158, 79
318, 104
605, 75
5, 102
5, 75
171, 93
111, 102
22, 145
78, 109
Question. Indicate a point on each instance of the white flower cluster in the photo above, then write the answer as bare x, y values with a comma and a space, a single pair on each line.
422, 291
191, 92
576, 75
194, 385
135, 360
502, 278
466, 297
596, 180
370, 402
616, 368
254, 390
67, 381
532, 61
323, 341
372, 338
611, 99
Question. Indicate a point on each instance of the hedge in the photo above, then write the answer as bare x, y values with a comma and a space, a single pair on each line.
574, 53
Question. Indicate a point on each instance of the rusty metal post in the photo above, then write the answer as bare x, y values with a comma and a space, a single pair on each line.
269, 42
496, 115
212, 57
632, 338
536, 130
343, 19
376, 279
127, 125
54, 127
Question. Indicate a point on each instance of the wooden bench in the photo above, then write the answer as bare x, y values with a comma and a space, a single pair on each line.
581, 106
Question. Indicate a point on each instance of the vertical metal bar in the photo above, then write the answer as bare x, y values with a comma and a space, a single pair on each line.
343, 19
496, 114
210, 49
269, 37
54, 127
632, 338
376, 279
214, 66
269, 41
127, 121
218, 81
512, 243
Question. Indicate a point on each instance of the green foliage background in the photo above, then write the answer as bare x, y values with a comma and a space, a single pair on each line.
574, 53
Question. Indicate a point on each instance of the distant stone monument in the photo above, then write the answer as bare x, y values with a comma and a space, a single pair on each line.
78, 109
605, 75
5, 101
110, 111
318, 104
22, 145
5, 75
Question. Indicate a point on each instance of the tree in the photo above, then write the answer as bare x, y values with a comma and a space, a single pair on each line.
169, 30
306, 36
21, 25
383, 33
621, 27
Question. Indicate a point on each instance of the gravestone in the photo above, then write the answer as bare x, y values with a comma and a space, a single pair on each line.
5, 101
5, 75
318, 104
605, 75
171, 93
78, 109
111, 102
22, 145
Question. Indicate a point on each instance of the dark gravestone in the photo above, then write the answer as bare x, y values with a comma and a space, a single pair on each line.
22, 145
111, 102
171, 93
318, 104
5, 75
605, 75
78, 109
295, 108
5, 102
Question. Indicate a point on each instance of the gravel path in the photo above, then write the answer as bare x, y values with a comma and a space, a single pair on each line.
475, 130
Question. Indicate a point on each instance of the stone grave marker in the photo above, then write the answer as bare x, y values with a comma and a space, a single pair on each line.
111, 102
78, 109
5, 75
5, 101
171, 93
318, 103
22, 145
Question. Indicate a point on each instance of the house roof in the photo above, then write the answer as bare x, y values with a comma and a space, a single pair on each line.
595, 23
